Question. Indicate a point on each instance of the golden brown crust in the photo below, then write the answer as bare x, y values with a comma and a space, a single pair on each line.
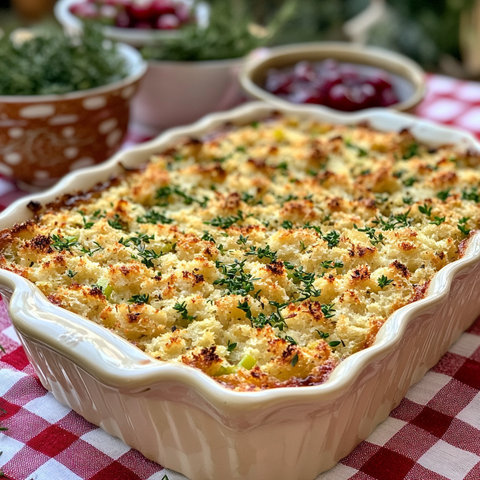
262, 255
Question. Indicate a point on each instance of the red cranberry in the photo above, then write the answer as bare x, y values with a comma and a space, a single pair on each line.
139, 11
108, 11
84, 10
168, 22
327, 82
162, 7
380, 81
341, 86
142, 25
307, 96
278, 82
304, 71
388, 97
116, 3
339, 98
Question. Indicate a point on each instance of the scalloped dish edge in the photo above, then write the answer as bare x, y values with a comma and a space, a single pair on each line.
117, 361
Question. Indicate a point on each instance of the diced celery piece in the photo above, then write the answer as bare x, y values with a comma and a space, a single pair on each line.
226, 370
108, 291
279, 134
247, 362
167, 248
292, 277
105, 286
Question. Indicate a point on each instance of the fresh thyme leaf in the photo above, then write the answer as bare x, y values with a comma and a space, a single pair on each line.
437, 220
294, 360
471, 195
287, 198
332, 238
90, 251
181, 308
323, 335
226, 222
307, 290
361, 151
370, 231
287, 224
147, 256
409, 181
236, 281
411, 151
242, 240
443, 194
141, 237
228, 34
2, 349
327, 264
71, 273
152, 216
425, 209
290, 339
328, 310
462, 225
207, 237
394, 221
116, 222
262, 253
164, 192
231, 346
407, 200
334, 344
140, 298
384, 281
86, 224
54, 63
65, 243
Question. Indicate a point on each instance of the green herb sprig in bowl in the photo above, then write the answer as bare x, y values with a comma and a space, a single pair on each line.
53, 63
66, 102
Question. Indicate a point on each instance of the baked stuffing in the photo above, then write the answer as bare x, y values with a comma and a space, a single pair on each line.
262, 254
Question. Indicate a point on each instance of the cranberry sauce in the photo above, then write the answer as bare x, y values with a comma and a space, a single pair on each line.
341, 86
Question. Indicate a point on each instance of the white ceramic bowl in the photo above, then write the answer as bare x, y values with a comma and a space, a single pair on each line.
408, 78
185, 420
177, 93
133, 36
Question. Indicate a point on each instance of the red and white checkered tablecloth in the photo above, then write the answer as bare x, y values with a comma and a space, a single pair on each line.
433, 434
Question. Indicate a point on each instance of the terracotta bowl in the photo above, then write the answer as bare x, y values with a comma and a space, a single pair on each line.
43, 137
408, 78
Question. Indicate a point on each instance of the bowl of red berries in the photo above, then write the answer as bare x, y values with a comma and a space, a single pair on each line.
339, 76
136, 22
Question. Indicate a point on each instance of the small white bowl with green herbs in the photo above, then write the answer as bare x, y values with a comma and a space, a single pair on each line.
197, 73
64, 103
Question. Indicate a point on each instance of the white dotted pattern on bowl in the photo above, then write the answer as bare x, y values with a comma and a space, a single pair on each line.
37, 111
94, 103
63, 119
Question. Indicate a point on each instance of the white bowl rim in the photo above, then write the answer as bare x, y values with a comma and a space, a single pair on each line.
224, 62
135, 63
135, 36
255, 62
141, 371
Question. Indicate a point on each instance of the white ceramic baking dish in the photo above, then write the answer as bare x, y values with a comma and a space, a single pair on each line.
186, 421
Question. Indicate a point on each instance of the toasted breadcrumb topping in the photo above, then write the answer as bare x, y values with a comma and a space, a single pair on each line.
262, 254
